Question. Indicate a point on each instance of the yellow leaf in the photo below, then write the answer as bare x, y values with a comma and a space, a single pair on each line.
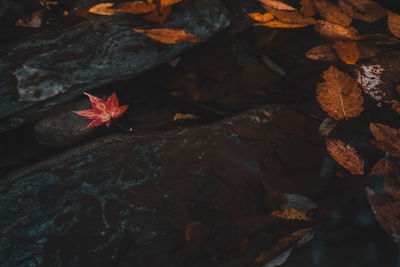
103, 9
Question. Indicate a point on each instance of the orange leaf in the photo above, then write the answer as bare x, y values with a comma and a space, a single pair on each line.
279, 24
104, 9
339, 95
285, 13
332, 13
169, 36
307, 8
158, 16
394, 23
365, 10
34, 21
387, 138
345, 155
335, 32
321, 52
383, 168
165, 3
347, 51
137, 7
261, 17
291, 214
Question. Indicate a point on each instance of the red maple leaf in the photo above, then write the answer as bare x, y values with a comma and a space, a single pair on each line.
103, 111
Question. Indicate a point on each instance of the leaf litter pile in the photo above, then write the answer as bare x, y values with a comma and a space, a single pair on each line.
331, 68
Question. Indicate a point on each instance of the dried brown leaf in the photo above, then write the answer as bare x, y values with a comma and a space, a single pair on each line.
339, 95
345, 155
33, 21
137, 7
335, 32
189, 229
347, 51
383, 168
321, 52
387, 138
332, 13
248, 132
283, 244
365, 10
279, 24
394, 23
285, 13
105, 9
307, 8
169, 36
165, 3
386, 210
291, 214
261, 17
181, 116
158, 16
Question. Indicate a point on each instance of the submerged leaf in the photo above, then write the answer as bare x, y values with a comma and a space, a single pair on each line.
345, 155
291, 214
394, 23
386, 138
339, 95
334, 31
365, 10
332, 13
321, 52
169, 36
347, 51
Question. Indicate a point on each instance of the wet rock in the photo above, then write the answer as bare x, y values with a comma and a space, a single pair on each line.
65, 128
378, 76
58, 64
126, 200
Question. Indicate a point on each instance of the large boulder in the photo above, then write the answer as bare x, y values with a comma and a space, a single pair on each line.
125, 200
58, 64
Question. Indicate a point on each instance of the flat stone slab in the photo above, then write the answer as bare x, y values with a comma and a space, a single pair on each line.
58, 64
126, 199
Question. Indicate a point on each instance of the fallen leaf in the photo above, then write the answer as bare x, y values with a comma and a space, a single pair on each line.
291, 214
279, 24
327, 126
285, 13
394, 23
248, 132
345, 155
261, 17
165, 3
386, 138
368, 51
282, 245
33, 21
335, 32
386, 210
347, 51
379, 39
332, 13
365, 10
339, 95
298, 202
307, 8
181, 116
102, 111
369, 76
189, 229
158, 16
169, 36
383, 168
321, 52
137, 7
105, 9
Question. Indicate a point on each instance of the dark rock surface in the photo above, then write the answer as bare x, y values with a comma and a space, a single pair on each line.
124, 200
65, 128
56, 65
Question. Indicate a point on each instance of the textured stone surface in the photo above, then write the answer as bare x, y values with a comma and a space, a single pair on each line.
126, 199
58, 64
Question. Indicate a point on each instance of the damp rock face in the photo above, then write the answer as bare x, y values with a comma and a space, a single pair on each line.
125, 200
378, 76
57, 64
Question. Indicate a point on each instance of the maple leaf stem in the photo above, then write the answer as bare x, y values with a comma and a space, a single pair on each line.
122, 127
